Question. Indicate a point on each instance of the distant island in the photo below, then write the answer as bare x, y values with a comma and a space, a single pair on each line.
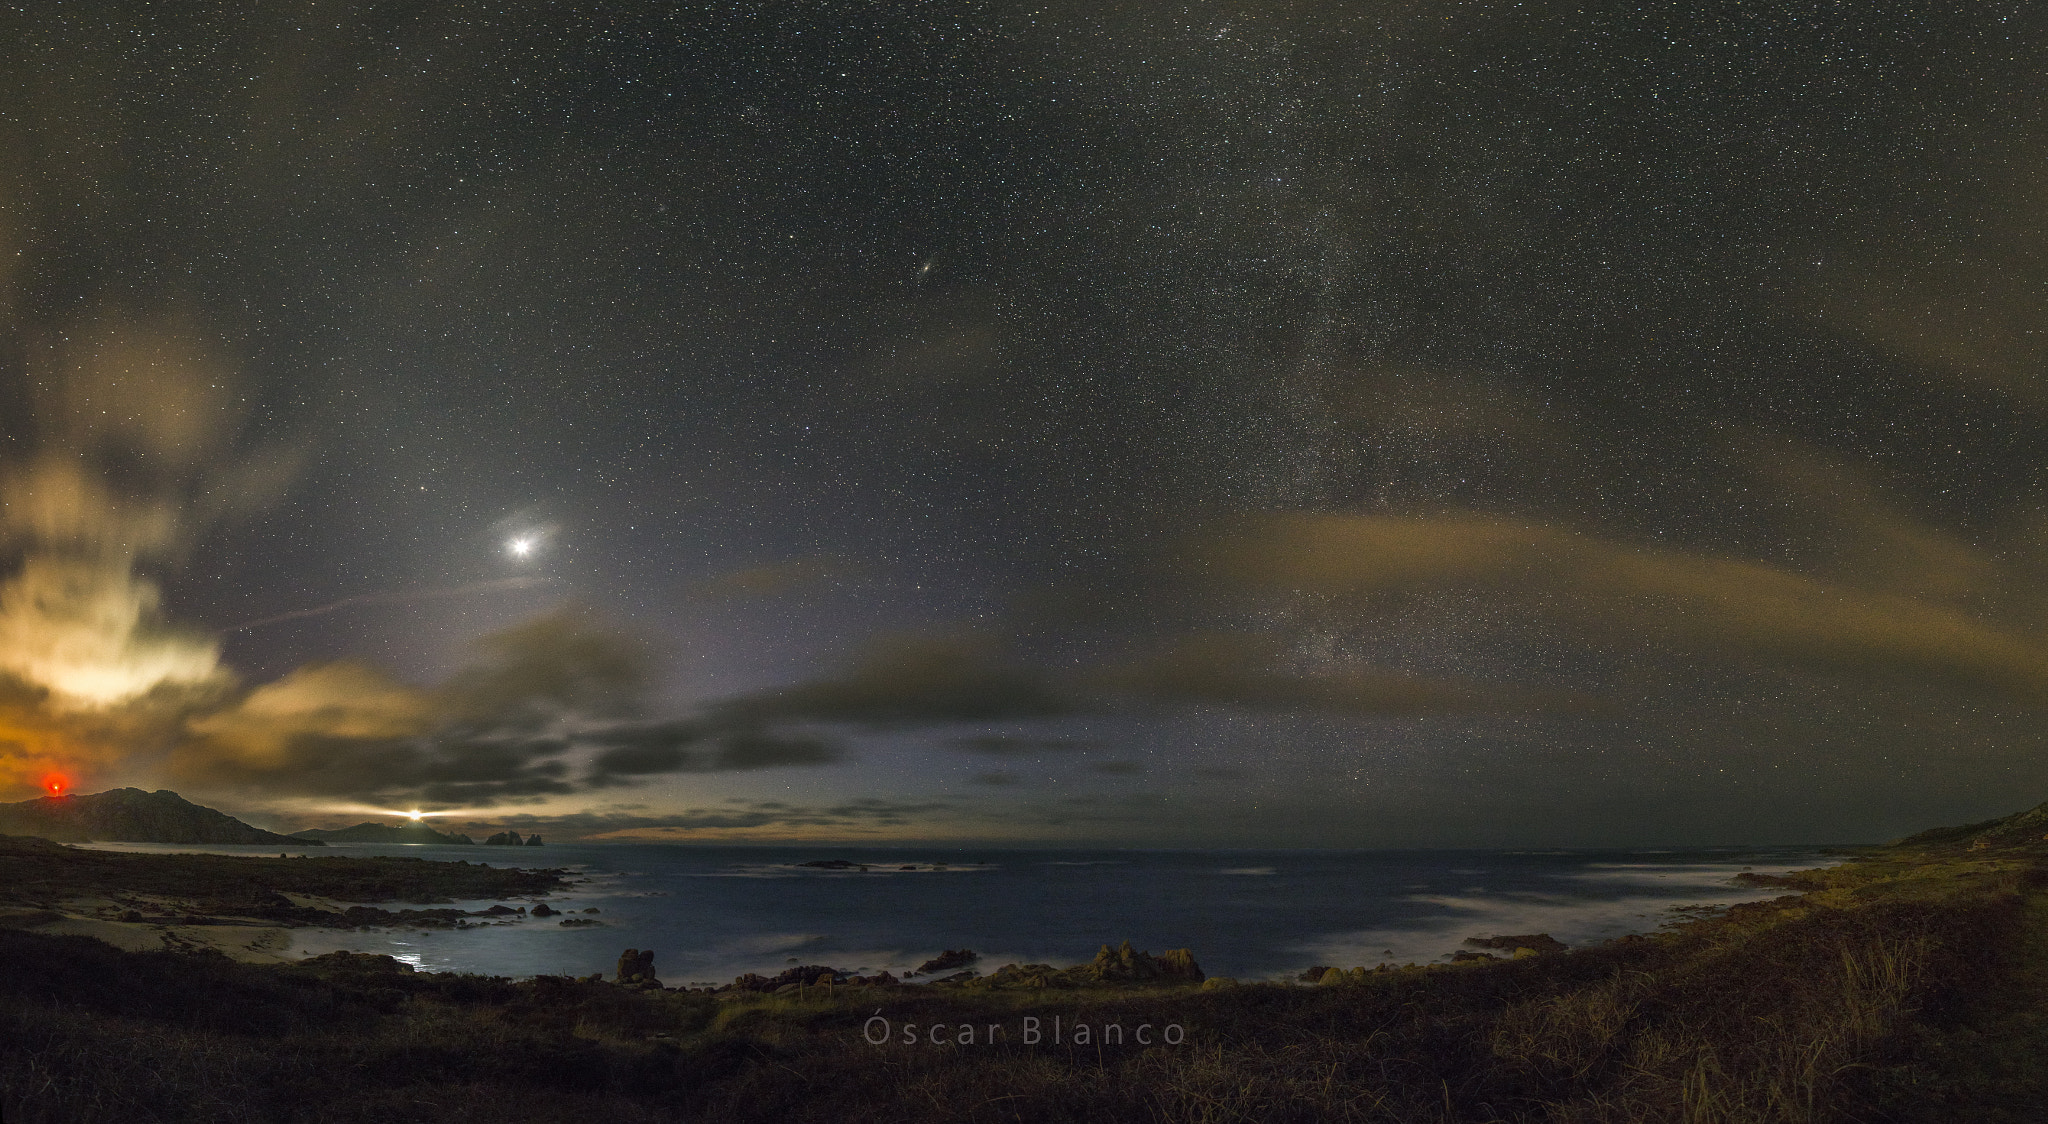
380, 833
130, 815
408, 833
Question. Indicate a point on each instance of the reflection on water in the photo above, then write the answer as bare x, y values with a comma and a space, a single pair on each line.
712, 913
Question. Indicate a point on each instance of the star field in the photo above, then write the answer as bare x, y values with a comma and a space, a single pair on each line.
1178, 423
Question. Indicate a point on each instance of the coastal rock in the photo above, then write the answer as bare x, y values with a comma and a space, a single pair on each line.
1024, 977
542, 910
505, 839
1463, 955
949, 959
807, 975
636, 968
879, 979
1313, 974
1178, 964
533, 841
355, 962
1127, 965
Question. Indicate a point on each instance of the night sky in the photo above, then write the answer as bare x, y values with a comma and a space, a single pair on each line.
1297, 424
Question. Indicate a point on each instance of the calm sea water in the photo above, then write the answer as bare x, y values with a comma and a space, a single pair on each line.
711, 913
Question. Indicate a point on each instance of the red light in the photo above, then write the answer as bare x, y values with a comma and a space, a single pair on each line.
55, 783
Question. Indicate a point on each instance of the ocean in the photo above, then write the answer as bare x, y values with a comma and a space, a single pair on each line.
711, 913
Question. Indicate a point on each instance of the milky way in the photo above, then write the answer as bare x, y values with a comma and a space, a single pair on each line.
1444, 424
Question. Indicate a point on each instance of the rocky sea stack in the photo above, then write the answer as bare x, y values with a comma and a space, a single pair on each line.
512, 839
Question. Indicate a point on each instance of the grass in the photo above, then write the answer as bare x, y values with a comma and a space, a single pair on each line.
1906, 986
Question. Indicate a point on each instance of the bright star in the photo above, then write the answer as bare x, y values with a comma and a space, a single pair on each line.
414, 816
522, 546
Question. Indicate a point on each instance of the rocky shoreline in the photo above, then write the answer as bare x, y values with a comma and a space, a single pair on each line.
247, 907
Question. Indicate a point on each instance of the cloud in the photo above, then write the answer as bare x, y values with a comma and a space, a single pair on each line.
349, 730
90, 632
551, 706
951, 678
132, 418
1608, 589
911, 681
1006, 745
1237, 670
742, 818
498, 730
694, 746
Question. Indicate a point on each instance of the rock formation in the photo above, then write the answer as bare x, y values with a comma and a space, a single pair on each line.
949, 959
636, 968
1126, 965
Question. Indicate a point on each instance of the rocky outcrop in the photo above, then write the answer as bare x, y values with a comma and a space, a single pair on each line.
1024, 977
505, 839
130, 815
1124, 964
544, 910
948, 960
636, 968
808, 975
533, 841
1111, 966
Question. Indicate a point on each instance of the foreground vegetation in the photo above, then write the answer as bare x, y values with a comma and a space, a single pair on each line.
1904, 985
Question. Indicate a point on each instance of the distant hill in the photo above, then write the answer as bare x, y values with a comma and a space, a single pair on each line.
130, 815
379, 833
2029, 826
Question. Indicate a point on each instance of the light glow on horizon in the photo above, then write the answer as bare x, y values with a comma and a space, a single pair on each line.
413, 814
